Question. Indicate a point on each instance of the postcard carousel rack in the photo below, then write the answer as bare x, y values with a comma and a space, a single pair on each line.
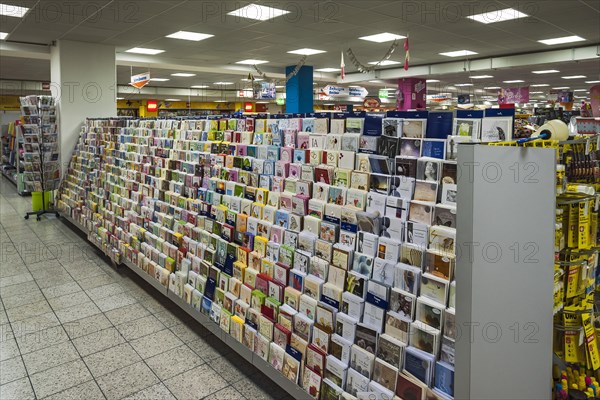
41, 156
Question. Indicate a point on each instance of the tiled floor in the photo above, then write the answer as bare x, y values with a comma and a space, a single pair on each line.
71, 326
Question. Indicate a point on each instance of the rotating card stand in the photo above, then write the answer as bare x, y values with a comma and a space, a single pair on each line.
42, 165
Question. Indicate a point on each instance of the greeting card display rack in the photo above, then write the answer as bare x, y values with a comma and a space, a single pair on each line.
41, 163
320, 249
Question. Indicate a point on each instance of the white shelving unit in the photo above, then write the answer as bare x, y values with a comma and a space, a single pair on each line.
504, 294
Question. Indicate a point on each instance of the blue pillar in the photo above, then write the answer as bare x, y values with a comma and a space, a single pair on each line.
299, 90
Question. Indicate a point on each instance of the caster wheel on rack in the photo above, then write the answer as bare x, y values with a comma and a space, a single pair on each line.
38, 218
57, 215
27, 217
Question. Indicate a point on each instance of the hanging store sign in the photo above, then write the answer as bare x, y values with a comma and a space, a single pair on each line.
140, 80
513, 95
339, 91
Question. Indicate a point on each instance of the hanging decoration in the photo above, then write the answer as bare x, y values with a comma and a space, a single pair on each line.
343, 67
368, 69
289, 76
407, 55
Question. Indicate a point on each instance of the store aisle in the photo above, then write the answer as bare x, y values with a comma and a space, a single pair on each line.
72, 326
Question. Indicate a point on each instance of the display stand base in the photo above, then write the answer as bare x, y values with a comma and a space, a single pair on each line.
39, 214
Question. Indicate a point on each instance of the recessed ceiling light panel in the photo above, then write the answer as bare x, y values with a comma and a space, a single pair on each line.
382, 37
458, 53
562, 40
193, 36
9, 10
143, 50
258, 12
545, 71
491, 17
306, 51
384, 62
251, 61
328, 69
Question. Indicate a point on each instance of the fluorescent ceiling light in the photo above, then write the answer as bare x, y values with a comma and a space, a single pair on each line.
220, 101
382, 37
492, 87
514, 81
262, 102
481, 76
432, 81
306, 51
535, 92
375, 81
3, 35
143, 50
159, 79
10, 10
540, 85
258, 12
561, 88
545, 71
580, 90
183, 74
251, 61
463, 84
592, 81
172, 99
199, 86
328, 69
255, 79
562, 40
574, 77
458, 53
223, 83
498, 16
384, 62
279, 86
193, 36
120, 98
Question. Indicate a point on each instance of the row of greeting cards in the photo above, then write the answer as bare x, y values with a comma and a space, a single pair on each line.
41, 163
333, 263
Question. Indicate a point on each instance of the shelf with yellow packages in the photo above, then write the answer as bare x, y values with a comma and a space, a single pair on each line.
576, 289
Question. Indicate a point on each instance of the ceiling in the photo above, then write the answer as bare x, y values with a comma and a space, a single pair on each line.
332, 26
